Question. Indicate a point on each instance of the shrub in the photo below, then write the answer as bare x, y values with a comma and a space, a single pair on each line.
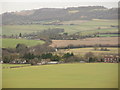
67, 55
34, 61
55, 58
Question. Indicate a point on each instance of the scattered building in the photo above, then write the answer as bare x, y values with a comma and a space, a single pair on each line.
111, 59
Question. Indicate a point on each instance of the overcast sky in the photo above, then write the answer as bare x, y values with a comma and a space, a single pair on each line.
18, 5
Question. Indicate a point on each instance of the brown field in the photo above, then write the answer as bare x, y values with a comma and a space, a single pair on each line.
109, 41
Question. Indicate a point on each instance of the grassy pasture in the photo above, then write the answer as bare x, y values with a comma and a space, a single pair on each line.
83, 26
109, 35
84, 75
11, 43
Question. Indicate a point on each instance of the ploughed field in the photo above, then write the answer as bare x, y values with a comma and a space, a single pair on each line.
108, 41
77, 75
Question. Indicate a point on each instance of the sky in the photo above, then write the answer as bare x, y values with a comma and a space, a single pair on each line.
18, 5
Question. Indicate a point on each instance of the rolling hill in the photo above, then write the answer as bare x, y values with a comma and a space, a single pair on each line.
59, 14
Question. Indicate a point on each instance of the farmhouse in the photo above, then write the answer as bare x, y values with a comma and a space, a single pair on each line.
111, 59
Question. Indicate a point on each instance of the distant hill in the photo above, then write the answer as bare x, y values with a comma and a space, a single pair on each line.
49, 14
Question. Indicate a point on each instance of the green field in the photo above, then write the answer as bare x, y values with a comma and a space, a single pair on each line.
84, 75
84, 27
11, 43
109, 35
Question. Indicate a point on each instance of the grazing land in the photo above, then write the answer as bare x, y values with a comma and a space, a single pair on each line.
87, 42
11, 43
82, 26
79, 75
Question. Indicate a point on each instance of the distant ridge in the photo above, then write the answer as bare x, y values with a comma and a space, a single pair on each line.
61, 14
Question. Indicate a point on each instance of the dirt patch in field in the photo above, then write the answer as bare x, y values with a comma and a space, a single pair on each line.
112, 41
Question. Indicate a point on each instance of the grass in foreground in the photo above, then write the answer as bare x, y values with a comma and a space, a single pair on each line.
84, 75
11, 43
13, 65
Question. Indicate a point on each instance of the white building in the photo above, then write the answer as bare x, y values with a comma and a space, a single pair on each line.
1, 62
53, 62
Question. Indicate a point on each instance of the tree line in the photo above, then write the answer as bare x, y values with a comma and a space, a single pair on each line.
33, 56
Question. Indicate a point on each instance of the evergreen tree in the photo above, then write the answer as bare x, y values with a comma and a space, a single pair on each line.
20, 35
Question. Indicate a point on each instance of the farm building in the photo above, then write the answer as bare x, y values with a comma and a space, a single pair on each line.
111, 59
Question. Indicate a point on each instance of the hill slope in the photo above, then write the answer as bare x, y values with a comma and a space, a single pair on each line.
52, 14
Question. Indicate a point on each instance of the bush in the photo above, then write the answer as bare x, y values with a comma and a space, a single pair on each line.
46, 56
29, 56
72, 59
6, 59
21, 47
67, 55
55, 58
90, 57
34, 61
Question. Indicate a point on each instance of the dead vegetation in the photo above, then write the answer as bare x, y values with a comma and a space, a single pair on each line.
105, 41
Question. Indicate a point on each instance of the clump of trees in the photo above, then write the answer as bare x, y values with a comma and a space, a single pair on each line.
39, 53
90, 57
44, 53
10, 55
104, 49
97, 48
30, 57
45, 56
13, 56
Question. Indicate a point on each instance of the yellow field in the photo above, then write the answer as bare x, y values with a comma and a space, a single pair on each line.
77, 75
82, 51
